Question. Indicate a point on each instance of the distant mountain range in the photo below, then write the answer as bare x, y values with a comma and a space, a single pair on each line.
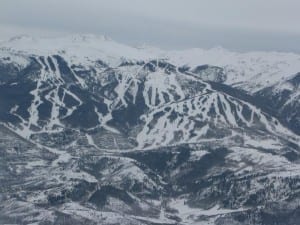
97, 132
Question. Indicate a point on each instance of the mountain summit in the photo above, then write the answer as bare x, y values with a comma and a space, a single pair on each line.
97, 132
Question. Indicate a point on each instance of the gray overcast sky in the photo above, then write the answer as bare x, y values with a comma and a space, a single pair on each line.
234, 24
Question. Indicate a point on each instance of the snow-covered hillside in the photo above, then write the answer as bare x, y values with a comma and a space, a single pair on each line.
97, 132
251, 71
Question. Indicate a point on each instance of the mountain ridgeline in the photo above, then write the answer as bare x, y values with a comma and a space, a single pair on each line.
96, 132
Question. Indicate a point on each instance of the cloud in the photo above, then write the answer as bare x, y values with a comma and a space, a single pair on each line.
167, 23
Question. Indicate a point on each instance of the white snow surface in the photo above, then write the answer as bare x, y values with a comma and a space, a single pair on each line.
87, 49
251, 71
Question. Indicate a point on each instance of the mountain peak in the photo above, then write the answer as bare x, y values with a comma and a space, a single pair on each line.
239, 67
92, 130
71, 38
20, 38
89, 37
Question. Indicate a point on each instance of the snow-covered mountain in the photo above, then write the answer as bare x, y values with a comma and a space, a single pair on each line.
96, 132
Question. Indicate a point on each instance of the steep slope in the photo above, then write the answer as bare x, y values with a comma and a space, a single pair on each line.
285, 97
251, 71
267, 76
95, 132
142, 100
